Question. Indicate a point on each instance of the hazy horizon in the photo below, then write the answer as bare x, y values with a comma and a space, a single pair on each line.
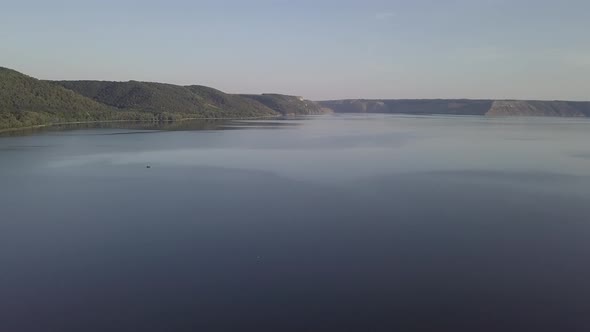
489, 49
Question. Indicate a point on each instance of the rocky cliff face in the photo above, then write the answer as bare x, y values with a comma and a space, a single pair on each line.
536, 108
461, 107
410, 106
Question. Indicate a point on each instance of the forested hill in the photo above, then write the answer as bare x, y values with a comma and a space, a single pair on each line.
190, 101
461, 107
287, 105
26, 101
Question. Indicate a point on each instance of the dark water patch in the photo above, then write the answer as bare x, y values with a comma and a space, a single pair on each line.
507, 175
135, 132
584, 155
22, 147
268, 124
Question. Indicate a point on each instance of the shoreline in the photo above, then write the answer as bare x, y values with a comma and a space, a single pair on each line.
6, 130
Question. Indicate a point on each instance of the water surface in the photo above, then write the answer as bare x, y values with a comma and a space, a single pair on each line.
348, 223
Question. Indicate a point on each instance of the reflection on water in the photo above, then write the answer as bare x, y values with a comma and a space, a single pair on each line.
144, 127
353, 222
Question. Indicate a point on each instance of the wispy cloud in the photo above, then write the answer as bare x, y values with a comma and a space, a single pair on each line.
384, 15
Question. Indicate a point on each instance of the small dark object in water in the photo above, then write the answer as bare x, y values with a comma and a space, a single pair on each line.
148, 166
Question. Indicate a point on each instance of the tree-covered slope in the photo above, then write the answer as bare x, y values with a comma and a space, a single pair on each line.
26, 101
287, 104
235, 103
190, 101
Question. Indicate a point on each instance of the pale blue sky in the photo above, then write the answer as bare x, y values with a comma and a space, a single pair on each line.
523, 49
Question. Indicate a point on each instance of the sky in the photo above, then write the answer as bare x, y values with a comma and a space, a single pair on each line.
322, 49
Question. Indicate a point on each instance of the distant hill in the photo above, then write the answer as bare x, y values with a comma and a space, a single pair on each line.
539, 108
410, 106
26, 101
461, 107
287, 105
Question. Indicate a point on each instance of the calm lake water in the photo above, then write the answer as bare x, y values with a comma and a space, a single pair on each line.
345, 223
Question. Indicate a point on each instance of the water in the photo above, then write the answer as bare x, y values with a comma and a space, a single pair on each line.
347, 223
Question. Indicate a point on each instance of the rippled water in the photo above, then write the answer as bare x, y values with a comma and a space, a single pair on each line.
356, 222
